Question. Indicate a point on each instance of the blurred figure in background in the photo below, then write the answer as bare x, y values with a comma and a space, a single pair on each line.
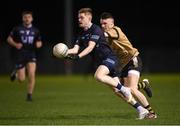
25, 40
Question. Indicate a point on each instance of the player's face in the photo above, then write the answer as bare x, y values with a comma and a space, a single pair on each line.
84, 19
27, 19
107, 24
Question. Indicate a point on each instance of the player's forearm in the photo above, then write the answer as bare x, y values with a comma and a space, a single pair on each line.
11, 41
88, 49
85, 52
74, 50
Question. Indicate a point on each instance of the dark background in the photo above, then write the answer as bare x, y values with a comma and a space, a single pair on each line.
151, 26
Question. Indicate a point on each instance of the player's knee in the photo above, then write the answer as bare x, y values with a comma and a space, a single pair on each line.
98, 77
21, 78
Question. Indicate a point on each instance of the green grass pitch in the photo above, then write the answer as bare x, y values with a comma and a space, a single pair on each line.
80, 100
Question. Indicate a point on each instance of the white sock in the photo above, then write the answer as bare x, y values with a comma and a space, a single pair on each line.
123, 89
140, 109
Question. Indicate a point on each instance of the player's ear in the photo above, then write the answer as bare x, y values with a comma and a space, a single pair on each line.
90, 17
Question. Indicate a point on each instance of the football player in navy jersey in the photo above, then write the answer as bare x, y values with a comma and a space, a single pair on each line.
25, 39
93, 42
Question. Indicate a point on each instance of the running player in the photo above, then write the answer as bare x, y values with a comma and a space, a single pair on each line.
93, 42
25, 39
129, 60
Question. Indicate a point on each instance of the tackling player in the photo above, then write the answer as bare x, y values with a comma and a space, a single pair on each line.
93, 42
25, 39
129, 60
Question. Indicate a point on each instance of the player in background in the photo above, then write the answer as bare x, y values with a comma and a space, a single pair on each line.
129, 60
92, 40
25, 39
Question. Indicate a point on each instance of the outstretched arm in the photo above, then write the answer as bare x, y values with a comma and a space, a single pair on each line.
72, 53
88, 49
73, 50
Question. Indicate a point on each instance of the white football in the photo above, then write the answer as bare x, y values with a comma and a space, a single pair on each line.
60, 50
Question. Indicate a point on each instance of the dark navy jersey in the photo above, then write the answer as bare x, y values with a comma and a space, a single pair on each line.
27, 36
95, 34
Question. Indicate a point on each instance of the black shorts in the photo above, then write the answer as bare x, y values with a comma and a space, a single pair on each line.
134, 64
22, 58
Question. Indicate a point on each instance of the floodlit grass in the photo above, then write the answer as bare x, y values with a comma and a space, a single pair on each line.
80, 100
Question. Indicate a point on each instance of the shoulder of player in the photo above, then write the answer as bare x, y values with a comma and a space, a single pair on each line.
16, 29
20, 26
117, 28
96, 28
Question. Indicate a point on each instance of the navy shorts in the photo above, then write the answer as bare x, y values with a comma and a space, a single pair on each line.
111, 64
21, 59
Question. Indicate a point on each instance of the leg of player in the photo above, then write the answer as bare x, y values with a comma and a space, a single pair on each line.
131, 81
142, 112
31, 69
144, 84
18, 74
101, 75
13, 74
21, 74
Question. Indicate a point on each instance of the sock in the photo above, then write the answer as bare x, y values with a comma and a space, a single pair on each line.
148, 107
138, 107
14, 71
121, 87
29, 96
141, 85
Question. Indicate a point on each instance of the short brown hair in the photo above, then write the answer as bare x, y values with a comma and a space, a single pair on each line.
85, 10
27, 12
